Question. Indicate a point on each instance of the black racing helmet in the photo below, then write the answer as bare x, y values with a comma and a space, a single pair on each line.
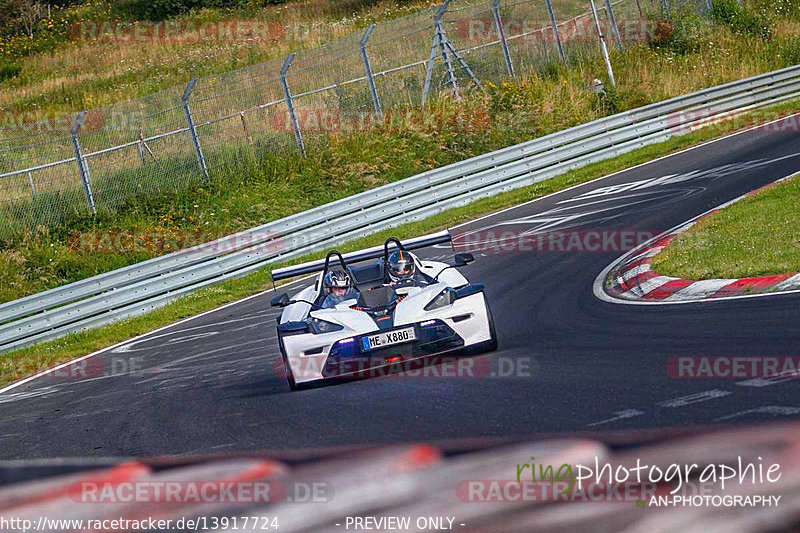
401, 266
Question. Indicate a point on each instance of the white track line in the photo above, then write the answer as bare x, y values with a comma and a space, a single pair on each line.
712, 141
140, 337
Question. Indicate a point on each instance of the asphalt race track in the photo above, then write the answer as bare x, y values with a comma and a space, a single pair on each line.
567, 360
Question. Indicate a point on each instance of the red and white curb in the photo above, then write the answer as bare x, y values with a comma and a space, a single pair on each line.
632, 280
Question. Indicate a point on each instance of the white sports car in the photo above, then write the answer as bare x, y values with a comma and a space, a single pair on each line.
438, 312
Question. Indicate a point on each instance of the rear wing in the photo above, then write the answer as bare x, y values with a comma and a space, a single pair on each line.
375, 252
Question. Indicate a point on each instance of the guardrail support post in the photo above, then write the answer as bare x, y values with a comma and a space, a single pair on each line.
368, 70
613, 22
83, 167
192, 130
498, 22
603, 46
555, 30
298, 135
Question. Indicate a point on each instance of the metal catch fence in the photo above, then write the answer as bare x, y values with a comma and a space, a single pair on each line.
221, 123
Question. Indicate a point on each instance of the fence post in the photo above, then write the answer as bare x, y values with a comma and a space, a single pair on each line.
665, 9
429, 68
603, 46
33, 185
192, 130
244, 127
437, 41
613, 22
555, 30
498, 22
83, 167
298, 136
141, 146
448, 65
368, 70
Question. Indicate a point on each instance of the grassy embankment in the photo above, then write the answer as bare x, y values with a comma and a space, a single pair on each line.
57, 70
756, 236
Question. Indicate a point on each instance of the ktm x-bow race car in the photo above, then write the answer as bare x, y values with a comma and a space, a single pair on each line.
398, 308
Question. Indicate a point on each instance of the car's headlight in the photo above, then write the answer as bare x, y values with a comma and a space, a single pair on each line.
322, 326
444, 298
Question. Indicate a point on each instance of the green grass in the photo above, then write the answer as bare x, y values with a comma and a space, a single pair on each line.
756, 236
26, 361
61, 71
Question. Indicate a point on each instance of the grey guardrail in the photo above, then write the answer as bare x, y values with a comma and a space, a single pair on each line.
144, 286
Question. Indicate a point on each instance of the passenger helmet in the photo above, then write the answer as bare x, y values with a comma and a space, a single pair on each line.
401, 266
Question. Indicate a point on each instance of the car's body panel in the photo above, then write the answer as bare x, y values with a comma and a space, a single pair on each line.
463, 323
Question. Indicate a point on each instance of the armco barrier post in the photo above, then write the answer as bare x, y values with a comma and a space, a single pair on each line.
613, 21
368, 70
298, 136
83, 167
555, 30
498, 22
603, 45
192, 130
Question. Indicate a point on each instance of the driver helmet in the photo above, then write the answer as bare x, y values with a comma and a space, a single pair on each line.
336, 283
401, 266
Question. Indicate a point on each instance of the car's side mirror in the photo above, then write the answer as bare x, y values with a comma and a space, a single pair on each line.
463, 259
281, 301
